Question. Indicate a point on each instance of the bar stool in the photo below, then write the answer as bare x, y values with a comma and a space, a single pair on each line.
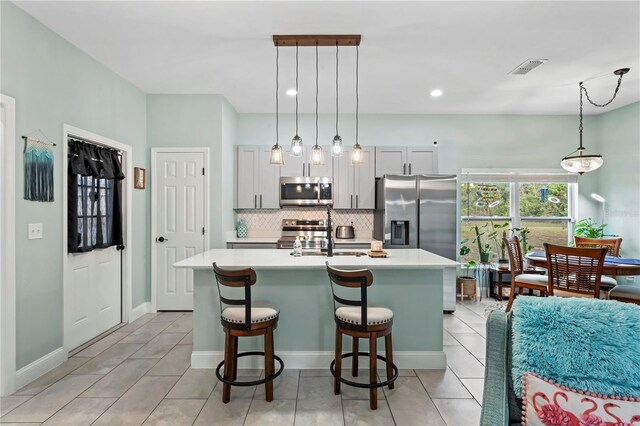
358, 320
242, 319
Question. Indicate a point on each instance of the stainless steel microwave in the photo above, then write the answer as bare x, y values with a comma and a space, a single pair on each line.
306, 191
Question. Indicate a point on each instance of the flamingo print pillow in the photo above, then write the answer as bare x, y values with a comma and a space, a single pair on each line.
551, 404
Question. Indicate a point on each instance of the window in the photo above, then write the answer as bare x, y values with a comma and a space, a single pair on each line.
541, 202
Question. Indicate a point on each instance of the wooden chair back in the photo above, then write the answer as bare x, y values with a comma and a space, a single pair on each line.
611, 244
361, 279
512, 245
573, 269
236, 278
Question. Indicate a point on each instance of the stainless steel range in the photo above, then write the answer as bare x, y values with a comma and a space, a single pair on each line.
312, 233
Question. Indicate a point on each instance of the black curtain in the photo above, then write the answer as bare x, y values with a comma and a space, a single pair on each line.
94, 210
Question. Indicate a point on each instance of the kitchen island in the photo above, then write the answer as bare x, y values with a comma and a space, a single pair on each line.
409, 282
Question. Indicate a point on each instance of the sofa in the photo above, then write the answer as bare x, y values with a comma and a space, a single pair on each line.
616, 324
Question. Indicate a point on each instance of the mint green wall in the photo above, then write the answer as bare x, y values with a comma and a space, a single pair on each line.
229, 126
618, 180
197, 121
54, 83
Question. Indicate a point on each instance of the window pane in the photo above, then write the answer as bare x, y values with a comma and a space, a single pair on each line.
546, 231
544, 200
468, 233
485, 199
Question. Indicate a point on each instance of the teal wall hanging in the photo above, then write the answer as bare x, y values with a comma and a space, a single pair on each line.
38, 170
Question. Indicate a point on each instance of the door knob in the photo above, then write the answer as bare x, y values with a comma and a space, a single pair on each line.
161, 239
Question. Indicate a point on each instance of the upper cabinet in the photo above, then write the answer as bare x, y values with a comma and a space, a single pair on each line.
257, 180
411, 160
301, 166
354, 185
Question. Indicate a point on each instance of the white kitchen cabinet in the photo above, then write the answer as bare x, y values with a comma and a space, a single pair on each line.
302, 167
257, 180
354, 185
401, 160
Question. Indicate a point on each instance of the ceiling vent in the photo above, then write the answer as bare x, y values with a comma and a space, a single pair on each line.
527, 66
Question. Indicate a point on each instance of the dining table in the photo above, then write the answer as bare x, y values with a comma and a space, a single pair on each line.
613, 266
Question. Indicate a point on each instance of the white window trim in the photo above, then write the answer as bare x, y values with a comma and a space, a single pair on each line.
517, 176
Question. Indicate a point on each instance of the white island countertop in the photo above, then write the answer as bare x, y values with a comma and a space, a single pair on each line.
281, 259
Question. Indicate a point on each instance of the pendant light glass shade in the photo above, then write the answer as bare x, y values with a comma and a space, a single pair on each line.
579, 162
317, 156
336, 144
357, 154
277, 155
276, 151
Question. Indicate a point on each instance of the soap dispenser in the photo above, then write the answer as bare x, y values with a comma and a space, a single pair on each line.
297, 247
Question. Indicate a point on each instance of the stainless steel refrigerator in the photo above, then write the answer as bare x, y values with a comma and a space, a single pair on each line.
419, 211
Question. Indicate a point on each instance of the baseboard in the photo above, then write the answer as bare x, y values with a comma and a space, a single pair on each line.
37, 368
140, 310
313, 360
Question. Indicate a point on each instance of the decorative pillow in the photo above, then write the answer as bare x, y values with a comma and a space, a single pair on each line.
546, 403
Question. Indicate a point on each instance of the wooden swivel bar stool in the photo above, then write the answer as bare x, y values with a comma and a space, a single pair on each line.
358, 320
241, 319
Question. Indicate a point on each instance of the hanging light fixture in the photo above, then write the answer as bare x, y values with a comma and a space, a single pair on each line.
317, 156
579, 161
336, 145
277, 157
296, 142
356, 153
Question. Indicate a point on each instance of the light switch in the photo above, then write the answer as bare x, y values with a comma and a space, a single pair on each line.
35, 231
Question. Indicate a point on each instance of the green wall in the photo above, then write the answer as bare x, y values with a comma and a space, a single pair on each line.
55, 83
200, 121
618, 180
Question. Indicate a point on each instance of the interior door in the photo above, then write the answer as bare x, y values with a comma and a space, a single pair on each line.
179, 225
94, 294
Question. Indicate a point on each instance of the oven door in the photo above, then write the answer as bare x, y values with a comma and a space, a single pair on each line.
305, 191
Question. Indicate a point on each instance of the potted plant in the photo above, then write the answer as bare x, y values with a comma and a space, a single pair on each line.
483, 248
589, 229
501, 249
503, 261
466, 284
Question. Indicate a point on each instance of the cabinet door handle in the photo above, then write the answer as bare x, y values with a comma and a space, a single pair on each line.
352, 201
357, 202
260, 200
409, 168
255, 201
404, 169
303, 168
309, 169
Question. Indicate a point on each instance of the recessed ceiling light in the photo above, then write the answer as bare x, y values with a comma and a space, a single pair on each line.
435, 93
292, 92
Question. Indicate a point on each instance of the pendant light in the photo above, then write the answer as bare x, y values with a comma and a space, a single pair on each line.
317, 156
336, 145
277, 157
579, 161
356, 153
296, 142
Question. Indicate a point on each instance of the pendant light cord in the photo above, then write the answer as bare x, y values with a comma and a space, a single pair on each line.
357, 98
297, 89
277, 81
337, 61
316, 93
584, 89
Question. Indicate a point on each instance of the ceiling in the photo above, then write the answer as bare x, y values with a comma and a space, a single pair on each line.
466, 49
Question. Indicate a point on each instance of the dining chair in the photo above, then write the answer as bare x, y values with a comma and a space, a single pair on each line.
613, 249
520, 280
611, 244
573, 271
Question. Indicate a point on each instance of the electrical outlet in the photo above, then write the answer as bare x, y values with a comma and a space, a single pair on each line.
35, 231
630, 279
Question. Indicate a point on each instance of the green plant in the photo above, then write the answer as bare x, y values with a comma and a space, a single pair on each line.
589, 228
465, 250
496, 239
523, 234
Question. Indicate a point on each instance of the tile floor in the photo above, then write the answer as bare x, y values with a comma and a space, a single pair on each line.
140, 375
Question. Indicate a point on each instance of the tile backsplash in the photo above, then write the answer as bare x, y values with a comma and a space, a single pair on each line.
261, 221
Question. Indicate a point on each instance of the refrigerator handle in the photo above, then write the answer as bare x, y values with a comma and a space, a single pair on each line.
404, 169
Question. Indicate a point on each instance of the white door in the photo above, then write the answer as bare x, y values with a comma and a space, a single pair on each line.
422, 161
94, 303
179, 225
391, 161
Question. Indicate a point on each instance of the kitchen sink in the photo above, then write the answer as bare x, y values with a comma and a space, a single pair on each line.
335, 253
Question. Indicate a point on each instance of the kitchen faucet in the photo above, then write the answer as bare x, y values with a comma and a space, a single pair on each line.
329, 238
